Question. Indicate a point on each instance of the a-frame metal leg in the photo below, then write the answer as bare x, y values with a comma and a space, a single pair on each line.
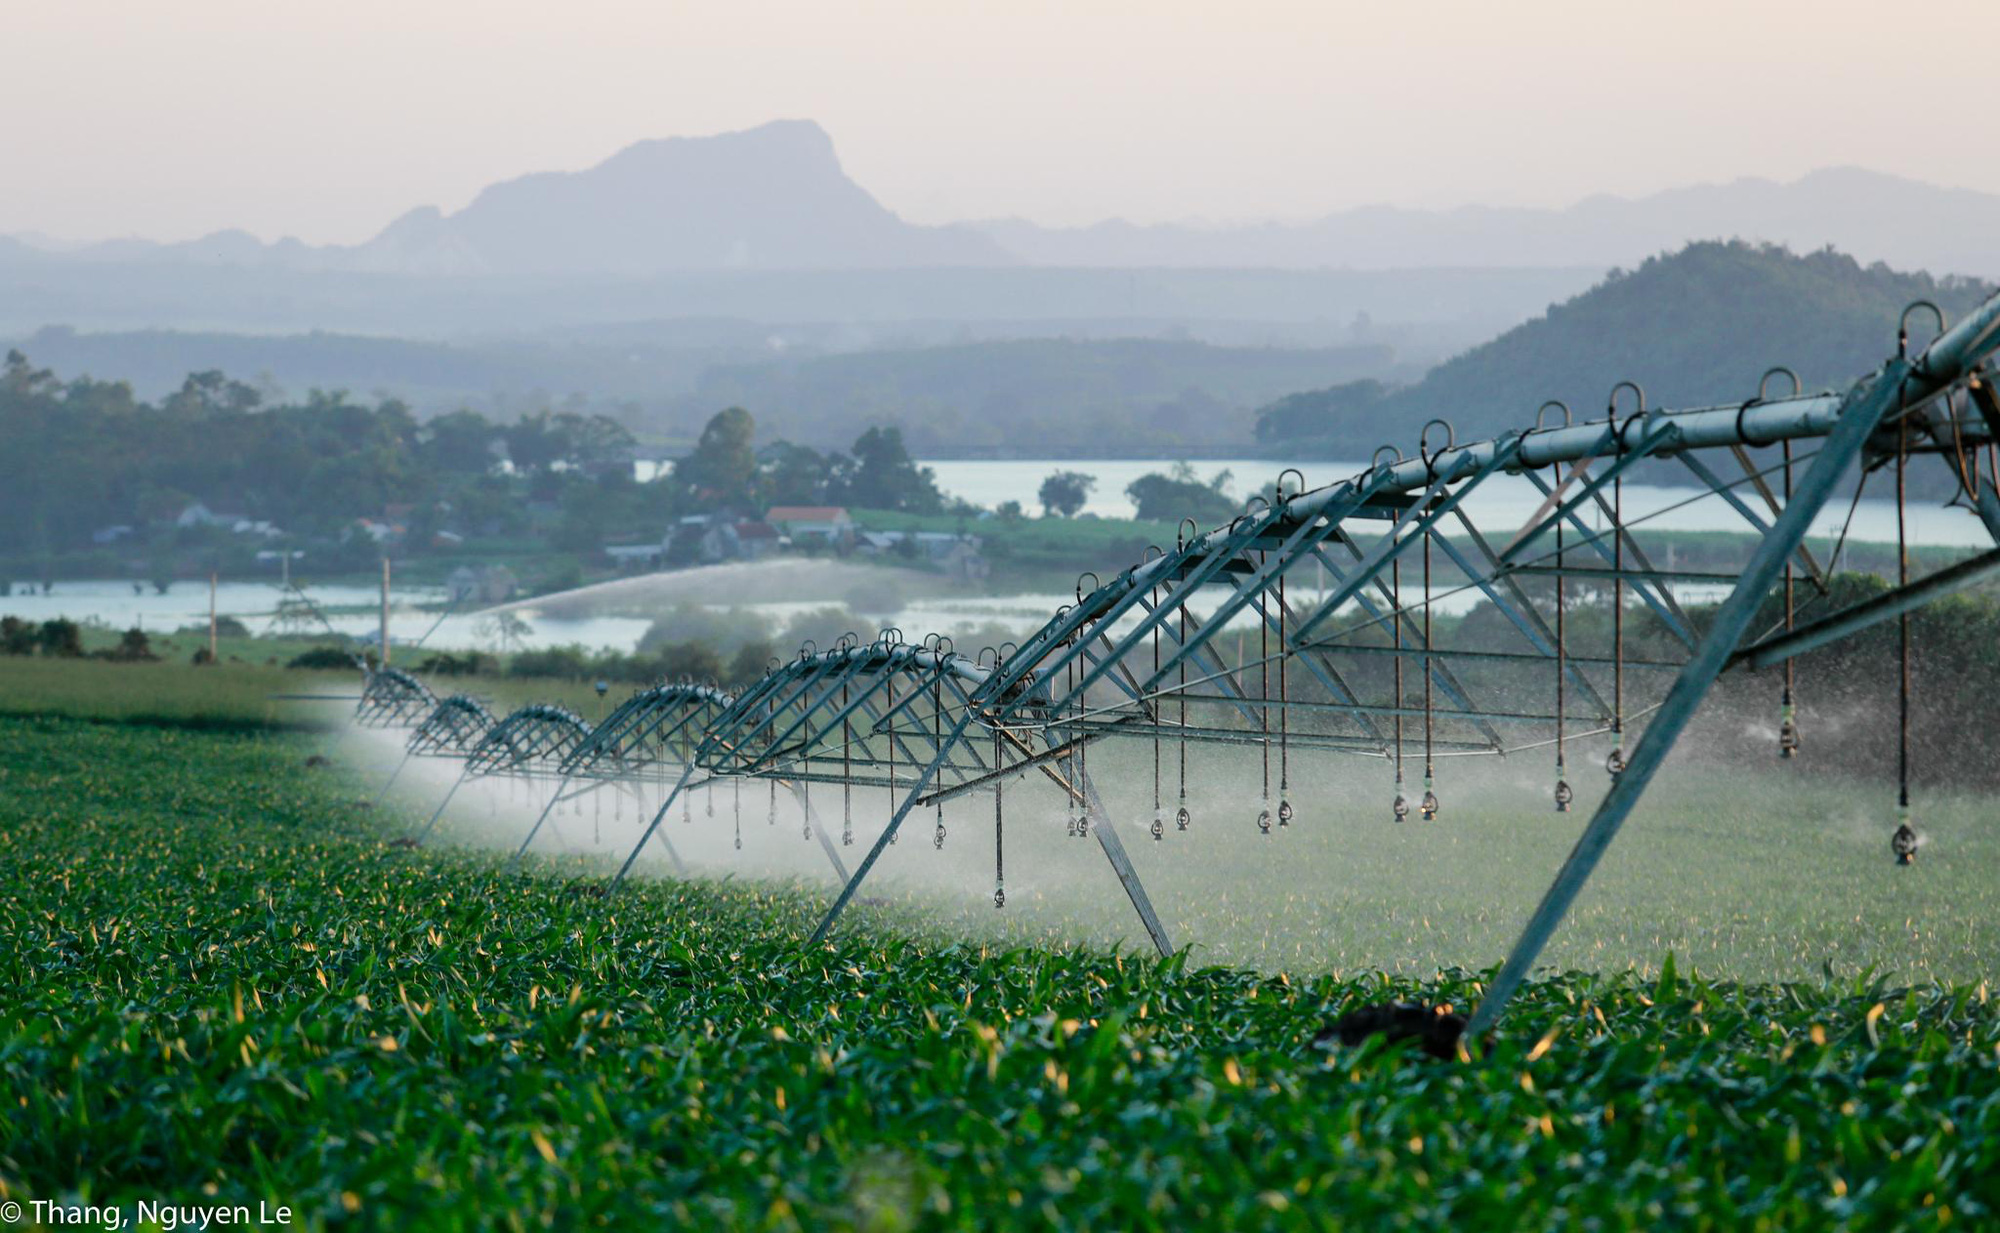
680, 784
456, 785
812, 820
1121, 864
944, 748
1859, 414
384, 793
537, 827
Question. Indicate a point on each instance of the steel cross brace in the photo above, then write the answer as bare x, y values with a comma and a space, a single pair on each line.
1863, 409
1108, 841
1593, 539
1440, 669
1433, 509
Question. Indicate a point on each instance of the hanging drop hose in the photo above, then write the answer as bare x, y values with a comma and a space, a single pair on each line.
1430, 801
1904, 841
1082, 759
846, 771
1788, 715
1284, 717
1159, 828
1182, 818
891, 716
999, 847
1564, 793
1071, 766
1264, 704
1401, 807
937, 741
1615, 761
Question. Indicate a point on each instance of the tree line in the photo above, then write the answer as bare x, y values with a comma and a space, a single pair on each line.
81, 456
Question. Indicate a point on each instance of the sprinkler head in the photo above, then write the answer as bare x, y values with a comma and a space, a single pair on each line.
1264, 819
739, 841
1564, 793
1159, 827
1401, 807
1182, 818
1788, 732
1614, 762
1284, 813
937, 837
1430, 803
999, 897
1904, 842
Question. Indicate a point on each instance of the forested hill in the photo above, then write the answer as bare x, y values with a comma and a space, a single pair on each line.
1695, 327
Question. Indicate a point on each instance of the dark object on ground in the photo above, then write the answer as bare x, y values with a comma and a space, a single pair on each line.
403, 843
318, 760
1433, 1027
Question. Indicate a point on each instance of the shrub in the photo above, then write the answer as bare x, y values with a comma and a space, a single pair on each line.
319, 657
566, 662
132, 648
17, 637
61, 637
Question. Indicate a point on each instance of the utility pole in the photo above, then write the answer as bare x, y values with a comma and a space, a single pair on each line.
385, 611
212, 658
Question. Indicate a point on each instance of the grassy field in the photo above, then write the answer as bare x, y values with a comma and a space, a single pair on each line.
253, 691
221, 985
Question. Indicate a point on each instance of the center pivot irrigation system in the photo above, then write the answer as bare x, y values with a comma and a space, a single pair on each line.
1304, 627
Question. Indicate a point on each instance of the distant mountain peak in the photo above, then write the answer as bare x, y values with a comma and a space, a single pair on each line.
770, 197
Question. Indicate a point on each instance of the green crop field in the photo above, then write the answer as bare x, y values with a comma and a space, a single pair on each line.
222, 985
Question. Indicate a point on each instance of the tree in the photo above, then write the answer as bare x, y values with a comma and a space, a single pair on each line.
750, 662
1066, 493
885, 477
460, 442
534, 442
789, 474
724, 463
594, 440
207, 394
504, 627
1178, 494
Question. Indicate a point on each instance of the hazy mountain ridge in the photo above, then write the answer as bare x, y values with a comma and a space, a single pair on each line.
769, 198
1875, 217
775, 197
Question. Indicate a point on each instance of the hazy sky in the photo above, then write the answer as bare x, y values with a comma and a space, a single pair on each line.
325, 120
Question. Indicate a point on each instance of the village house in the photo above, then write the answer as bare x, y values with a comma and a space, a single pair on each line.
826, 526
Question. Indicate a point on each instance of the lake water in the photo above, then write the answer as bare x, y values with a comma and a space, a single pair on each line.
1504, 501
1500, 505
